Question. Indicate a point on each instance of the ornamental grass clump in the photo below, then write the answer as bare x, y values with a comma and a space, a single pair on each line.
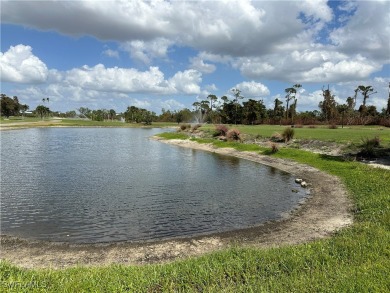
274, 148
369, 145
220, 130
288, 134
233, 135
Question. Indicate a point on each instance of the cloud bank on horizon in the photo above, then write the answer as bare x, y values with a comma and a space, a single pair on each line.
168, 54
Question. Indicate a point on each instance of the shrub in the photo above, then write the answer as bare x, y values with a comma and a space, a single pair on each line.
298, 126
233, 134
369, 145
375, 142
183, 127
277, 137
220, 130
274, 148
384, 122
332, 126
288, 134
312, 126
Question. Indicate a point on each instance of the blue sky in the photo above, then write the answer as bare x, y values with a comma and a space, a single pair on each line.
169, 54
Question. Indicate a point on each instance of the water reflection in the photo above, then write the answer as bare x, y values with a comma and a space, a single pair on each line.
97, 184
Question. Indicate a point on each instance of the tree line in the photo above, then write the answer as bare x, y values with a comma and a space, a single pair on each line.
236, 110
11, 106
250, 111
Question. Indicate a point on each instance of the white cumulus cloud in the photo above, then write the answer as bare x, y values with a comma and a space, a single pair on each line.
20, 65
198, 64
308, 66
367, 31
146, 51
186, 81
117, 79
289, 41
252, 89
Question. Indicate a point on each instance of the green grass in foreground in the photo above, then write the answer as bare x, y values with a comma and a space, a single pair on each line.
173, 135
356, 259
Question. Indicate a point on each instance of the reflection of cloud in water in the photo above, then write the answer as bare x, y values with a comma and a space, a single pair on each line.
116, 184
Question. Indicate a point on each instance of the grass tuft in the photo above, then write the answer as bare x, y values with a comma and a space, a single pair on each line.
288, 134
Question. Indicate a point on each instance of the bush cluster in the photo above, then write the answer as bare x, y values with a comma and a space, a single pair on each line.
188, 127
220, 130
184, 127
233, 134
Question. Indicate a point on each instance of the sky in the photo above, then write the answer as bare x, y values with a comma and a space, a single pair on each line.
169, 54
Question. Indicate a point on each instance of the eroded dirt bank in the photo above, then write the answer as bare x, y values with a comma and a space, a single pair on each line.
327, 210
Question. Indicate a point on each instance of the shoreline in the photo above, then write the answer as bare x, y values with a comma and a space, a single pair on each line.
326, 210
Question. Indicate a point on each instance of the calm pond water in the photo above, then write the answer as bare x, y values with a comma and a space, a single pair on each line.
87, 185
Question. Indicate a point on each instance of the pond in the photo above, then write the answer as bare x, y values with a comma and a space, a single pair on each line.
90, 185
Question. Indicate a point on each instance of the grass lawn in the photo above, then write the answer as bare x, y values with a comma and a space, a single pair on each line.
348, 134
356, 259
